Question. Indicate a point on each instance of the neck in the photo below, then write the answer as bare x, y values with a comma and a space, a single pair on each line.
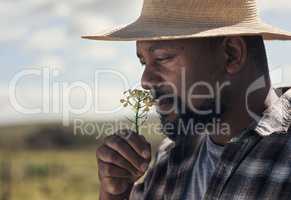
238, 116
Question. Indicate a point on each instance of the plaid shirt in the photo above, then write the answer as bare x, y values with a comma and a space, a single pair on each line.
251, 166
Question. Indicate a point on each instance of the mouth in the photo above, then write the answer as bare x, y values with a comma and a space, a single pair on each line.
165, 106
164, 101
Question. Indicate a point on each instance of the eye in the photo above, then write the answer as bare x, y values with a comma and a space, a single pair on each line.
164, 59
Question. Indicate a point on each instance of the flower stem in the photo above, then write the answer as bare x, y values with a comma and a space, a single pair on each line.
137, 116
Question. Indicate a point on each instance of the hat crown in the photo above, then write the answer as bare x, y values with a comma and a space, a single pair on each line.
201, 11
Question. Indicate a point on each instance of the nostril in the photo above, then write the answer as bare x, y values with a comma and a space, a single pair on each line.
150, 79
146, 80
146, 85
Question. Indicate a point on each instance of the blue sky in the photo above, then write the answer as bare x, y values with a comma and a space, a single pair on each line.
46, 33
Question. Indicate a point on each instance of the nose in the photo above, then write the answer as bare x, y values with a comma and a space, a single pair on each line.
147, 79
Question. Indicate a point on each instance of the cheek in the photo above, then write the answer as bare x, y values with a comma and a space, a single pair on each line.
198, 95
199, 87
200, 71
172, 75
180, 77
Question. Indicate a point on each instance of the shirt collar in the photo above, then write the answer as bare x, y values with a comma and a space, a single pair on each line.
276, 118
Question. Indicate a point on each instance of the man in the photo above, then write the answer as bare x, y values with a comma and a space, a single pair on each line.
206, 65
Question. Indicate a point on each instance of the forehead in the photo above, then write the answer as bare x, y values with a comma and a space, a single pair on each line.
159, 44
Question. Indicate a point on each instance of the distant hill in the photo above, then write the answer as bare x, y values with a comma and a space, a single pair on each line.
56, 136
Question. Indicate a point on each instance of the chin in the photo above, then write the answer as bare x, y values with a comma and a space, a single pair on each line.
173, 122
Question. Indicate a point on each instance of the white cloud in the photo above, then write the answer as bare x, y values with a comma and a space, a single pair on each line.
3, 101
91, 23
51, 61
131, 68
274, 5
98, 52
11, 9
63, 9
31, 97
48, 39
12, 33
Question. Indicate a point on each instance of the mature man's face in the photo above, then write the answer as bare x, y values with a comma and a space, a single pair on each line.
182, 75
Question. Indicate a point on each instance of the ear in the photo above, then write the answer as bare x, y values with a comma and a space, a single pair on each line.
235, 53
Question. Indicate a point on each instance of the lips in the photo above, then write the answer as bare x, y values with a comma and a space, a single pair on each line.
163, 101
165, 106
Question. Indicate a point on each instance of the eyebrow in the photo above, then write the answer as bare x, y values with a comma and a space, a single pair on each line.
157, 46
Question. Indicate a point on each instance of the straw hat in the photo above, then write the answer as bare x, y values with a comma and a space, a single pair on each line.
177, 19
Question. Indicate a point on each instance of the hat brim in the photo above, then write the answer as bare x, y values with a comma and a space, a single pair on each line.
144, 30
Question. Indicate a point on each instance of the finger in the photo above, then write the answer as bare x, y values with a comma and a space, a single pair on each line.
124, 149
108, 155
113, 171
115, 186
138, 143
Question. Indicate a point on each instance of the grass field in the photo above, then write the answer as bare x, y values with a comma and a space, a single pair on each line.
41, 171
42, 175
